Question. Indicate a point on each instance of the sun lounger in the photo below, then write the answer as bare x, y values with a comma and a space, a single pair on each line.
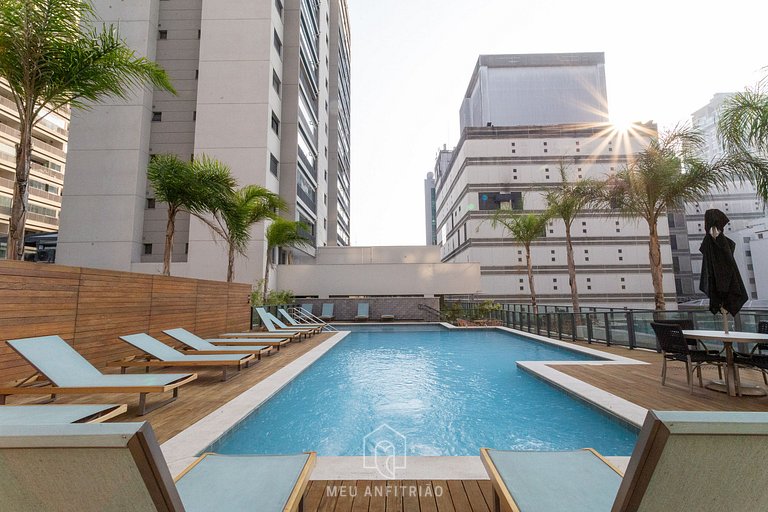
326, 314
387, 318
161, 355
274, 325
58, 414
200, 346
70, 373
249, 338
293, 323
119, 466
362, 311
683, 460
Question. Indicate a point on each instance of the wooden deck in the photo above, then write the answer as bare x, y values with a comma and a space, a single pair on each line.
640, 384
399, 496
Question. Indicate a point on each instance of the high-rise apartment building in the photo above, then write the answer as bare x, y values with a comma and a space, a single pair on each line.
738, 200
512, 165
442, 162
260, 87
46, 177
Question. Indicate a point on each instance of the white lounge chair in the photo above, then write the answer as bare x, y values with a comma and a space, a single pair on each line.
54, 414
683, 460
198, 345
158, 354
70, 373
119, 466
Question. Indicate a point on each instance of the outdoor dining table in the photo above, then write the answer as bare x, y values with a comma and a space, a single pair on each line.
728, 339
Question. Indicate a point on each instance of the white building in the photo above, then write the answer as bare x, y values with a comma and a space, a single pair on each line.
740, 203
514, 164
262, 85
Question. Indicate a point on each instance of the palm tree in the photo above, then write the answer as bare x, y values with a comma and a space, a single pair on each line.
198, 187
524, 228
243, 209
282, 233
664, 175
51, 57
566, 202
743, 130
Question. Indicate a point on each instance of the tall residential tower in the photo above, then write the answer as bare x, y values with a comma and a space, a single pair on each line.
259, 86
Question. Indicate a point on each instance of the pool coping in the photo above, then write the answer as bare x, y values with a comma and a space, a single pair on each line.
181, 450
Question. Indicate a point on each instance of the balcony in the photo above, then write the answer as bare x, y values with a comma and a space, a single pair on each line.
36, 144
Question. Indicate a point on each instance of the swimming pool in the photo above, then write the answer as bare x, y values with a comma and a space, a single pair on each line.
446, 391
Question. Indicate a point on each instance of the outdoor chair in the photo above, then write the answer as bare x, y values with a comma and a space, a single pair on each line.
119, 466
326, 314
683, 460
199, 346
160, 355
307, 308
58, 414
674, 347
362, 311
686, 324
757, 358
70, 373
296, 323
274, 325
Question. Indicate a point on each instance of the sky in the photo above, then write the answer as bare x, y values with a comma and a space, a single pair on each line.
412, 61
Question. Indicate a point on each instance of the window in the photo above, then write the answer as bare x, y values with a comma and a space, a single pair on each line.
199, 33
277, 43
157, 117
162, 34
499, 200
194, 115
274, 165
147, 249
150, 203
275, 124
186, 248
279, 7
197, 74
276, 82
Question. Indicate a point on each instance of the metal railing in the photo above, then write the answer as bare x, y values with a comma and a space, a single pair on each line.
430, 311
612, 326
294, 310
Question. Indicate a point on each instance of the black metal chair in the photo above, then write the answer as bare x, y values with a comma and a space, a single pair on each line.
686, 324
757, 358
674, 347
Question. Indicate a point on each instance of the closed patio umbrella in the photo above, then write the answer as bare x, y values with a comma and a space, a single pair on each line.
720, 277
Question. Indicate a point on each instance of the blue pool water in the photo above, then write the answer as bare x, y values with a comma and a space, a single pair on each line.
448, 392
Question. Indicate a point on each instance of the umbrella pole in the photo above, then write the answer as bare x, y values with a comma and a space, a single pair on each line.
725, 320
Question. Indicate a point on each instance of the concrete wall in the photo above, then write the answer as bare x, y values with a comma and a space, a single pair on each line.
425, 279
403, 308
367, 255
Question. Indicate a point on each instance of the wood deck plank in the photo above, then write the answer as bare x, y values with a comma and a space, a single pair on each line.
394, 501
410, 503
443, 496
362, 498
426, 496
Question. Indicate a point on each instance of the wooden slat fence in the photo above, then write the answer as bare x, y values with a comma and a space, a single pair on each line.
90, 308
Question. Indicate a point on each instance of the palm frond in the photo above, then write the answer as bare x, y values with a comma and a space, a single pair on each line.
743, 122
287, 233
524, 228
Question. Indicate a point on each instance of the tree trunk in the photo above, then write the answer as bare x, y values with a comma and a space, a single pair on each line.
169, 229
231, 263
654, 255
530, 279
266, 274
571, 269
20, 194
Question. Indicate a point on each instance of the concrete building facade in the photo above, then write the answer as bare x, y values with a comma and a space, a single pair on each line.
542, 112
738, 200
46, 180
536, 89
254, 91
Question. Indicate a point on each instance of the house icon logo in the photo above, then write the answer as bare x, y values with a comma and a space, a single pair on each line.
384, 449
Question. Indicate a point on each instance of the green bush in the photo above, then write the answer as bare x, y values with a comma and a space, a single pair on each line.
274, 298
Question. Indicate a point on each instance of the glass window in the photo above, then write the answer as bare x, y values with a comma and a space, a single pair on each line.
275, 124
498, 200
278, 43
274, 165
